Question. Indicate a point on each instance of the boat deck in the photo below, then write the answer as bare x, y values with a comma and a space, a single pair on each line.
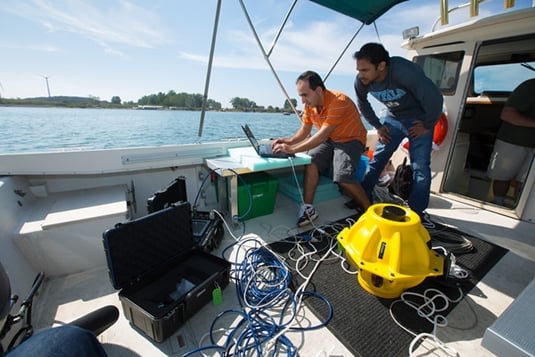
64, 299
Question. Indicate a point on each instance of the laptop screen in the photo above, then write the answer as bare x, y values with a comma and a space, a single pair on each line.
250, 136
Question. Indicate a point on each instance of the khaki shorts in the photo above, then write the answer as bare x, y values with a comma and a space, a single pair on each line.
509, 161
343, 158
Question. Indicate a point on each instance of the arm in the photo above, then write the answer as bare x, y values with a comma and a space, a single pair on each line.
520, 106
300, 135
303, 145
321, 136
513, 116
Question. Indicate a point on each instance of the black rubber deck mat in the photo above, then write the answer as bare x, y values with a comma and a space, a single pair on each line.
362, 321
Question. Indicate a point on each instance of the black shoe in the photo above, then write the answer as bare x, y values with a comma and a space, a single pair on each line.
352, 204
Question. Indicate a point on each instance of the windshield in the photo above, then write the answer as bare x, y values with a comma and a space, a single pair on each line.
498, 78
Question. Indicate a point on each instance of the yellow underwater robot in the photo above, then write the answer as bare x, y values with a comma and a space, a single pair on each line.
391, 250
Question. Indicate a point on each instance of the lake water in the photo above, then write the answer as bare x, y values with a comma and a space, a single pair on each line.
61, 129
55, 129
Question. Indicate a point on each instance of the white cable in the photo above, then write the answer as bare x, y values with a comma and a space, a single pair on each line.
434, 302
436, 342
226, 225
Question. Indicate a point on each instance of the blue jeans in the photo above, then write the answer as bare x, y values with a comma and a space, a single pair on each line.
420, 157
67, 340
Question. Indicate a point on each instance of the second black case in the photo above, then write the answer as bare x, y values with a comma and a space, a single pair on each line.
163, 279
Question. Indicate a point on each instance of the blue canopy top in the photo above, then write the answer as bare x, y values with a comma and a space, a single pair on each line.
365, 11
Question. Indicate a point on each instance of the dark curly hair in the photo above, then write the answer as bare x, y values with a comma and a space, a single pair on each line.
373, 52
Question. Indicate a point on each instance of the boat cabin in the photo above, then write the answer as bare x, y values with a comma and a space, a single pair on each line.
477, 66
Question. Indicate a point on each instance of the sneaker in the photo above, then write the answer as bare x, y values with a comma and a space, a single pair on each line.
426, 221
307, 213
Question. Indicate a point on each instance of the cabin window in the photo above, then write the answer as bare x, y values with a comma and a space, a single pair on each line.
479, 123
490, 79
443, 69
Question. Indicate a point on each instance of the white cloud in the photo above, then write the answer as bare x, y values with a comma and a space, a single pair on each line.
121, 23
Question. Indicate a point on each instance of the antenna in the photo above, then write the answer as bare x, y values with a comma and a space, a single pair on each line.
47, 86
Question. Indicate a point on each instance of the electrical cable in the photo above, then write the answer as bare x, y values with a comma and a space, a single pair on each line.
200, 188
268, 308
433, 302
453, 242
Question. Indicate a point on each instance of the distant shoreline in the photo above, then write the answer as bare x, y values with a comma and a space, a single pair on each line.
82, 103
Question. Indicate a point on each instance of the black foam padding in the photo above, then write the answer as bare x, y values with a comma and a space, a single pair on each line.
140, 249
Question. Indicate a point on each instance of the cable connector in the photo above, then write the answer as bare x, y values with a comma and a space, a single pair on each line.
306, 237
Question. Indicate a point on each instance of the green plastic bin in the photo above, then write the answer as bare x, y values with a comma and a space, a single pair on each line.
263, 190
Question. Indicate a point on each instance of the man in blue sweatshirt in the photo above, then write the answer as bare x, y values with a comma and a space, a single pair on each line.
414, 105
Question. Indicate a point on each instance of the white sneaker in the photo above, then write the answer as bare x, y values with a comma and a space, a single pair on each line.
307, 213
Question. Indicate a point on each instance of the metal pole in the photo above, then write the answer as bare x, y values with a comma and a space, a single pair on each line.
266, 56
209, 70
444, 12
344, 51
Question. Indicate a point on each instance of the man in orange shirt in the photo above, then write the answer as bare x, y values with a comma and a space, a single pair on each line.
339, 141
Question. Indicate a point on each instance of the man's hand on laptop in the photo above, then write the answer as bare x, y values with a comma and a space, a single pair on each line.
281, 147
279, 141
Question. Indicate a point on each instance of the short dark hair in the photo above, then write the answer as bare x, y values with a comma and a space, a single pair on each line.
373, 52
314, 79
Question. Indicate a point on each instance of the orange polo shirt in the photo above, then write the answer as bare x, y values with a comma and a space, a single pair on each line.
341, 111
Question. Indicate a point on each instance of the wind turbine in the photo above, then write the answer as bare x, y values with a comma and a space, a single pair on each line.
47, 86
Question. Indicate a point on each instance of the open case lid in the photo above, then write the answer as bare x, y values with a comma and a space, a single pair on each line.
139, 249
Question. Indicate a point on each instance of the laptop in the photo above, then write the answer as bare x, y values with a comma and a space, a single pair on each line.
263, 150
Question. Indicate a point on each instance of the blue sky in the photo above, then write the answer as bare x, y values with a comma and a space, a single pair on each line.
106, 48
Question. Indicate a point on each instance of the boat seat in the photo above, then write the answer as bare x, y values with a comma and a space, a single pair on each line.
512, 333
76, 206
62, 232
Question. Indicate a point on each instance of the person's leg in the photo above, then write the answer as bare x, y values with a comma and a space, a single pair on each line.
310, 183
346, 158
527, 159
321, 157
67, 340
381, 155
499, 190
505, 163
357, 194
420, 155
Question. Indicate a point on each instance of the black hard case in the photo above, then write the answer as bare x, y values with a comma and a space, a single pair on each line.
163, 279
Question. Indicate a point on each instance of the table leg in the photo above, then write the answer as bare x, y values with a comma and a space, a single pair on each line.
233, 196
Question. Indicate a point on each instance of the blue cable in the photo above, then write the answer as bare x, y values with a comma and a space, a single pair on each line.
329, 314
200, 188
262, 282
250, 195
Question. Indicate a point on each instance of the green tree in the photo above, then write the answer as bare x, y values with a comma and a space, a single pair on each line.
243, 104
115, 100
178, 100
287, 107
